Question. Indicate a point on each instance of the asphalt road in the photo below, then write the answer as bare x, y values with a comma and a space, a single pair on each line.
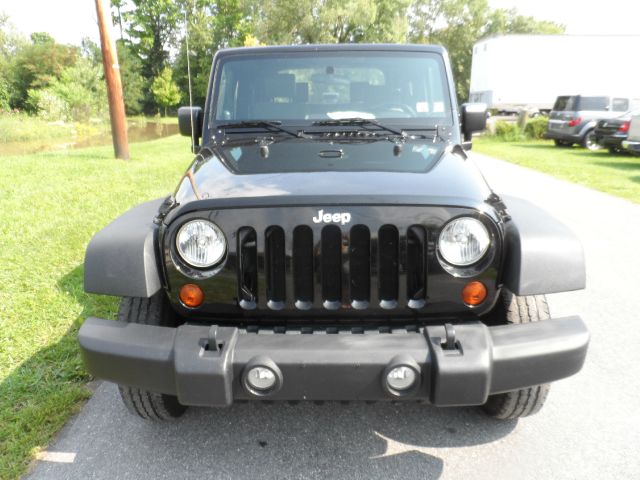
590, 427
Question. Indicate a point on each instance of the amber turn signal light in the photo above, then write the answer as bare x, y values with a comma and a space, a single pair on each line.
191, 295
474, 293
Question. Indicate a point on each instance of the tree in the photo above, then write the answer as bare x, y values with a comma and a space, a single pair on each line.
152, 26
133, 83
391, 24
4, 62
5, 96
79, 94
226, 23
310, 21
165, 90
502, 21
37, 64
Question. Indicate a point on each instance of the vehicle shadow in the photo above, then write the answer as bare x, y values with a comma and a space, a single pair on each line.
262, 440
39, 394
626, 166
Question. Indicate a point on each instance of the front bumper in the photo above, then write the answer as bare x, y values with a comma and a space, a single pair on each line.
204, 366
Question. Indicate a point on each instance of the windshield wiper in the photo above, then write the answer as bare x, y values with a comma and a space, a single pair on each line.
357, 121
270, 125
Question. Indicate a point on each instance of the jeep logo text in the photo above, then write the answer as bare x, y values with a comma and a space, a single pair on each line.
340, 217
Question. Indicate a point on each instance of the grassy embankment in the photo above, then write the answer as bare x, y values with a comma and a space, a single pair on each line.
50, 206
617, 174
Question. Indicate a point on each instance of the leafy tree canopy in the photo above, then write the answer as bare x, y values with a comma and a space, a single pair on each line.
165, 90
37, 64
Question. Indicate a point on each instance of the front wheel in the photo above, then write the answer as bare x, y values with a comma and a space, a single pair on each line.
561, 143
140, 402
526, 401
589, 142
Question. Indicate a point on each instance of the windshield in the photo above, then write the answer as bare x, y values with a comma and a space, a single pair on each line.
395, 87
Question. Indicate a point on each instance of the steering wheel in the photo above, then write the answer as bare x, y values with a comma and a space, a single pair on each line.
394, 107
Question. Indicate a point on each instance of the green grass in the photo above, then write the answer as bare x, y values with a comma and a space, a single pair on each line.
50, 206
617, 174
19, 127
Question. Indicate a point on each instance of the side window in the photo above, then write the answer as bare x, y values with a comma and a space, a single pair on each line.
620, 104
224, 107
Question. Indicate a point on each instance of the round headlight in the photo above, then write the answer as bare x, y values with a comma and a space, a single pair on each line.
463, 241
201, 243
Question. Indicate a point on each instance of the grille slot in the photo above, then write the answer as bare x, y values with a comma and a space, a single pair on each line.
388, 266
247, 268
275, 267
416, 266
331, 266
303, 266
359, 266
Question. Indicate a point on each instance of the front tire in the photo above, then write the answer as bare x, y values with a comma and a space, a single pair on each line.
143, 403
526, 401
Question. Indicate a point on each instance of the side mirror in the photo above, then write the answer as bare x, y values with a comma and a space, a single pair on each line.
188, 117
473, 119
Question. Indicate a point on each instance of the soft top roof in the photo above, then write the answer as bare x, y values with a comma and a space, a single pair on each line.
338, 47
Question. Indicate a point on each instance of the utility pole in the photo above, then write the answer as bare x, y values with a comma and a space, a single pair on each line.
114, 83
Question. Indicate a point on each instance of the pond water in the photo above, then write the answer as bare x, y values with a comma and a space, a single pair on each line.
138, 132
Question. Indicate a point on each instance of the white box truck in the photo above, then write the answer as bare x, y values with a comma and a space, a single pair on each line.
511, 73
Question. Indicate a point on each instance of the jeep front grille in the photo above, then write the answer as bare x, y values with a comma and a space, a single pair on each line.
332, 267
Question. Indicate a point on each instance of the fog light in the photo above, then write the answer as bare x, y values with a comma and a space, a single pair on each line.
261, 378
401, 378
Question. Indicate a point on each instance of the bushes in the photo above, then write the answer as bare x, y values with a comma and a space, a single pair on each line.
78, 95
534, 129
508, 131
5, 96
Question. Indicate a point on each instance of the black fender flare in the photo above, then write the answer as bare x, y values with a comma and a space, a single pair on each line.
542, 254
121, 258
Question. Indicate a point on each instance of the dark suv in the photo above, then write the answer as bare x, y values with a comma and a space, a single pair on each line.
573, 118
332, 240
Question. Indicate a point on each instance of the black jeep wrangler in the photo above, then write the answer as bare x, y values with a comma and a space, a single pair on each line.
332, 241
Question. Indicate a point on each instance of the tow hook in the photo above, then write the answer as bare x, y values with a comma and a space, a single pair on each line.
450, 337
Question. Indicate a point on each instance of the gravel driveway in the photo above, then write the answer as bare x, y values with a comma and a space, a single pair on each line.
590, 427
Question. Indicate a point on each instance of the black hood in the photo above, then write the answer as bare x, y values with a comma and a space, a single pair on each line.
447, 178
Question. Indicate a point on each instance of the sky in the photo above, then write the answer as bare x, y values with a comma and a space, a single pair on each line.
71, 20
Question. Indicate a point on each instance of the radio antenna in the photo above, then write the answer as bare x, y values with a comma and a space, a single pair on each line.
186, 38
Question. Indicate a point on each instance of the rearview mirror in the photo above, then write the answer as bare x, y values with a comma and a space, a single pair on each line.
188, 117
473, 119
